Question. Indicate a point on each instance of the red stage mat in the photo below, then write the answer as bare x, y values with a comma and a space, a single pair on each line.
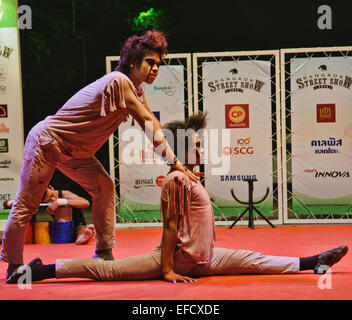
298, 241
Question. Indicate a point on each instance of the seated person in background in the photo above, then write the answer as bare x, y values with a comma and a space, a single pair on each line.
58, 198
187, 247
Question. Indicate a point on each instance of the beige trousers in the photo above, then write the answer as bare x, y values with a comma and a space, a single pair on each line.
42, 154
148, 266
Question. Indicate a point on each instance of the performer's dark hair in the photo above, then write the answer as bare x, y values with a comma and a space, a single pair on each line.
135, 48
196, 122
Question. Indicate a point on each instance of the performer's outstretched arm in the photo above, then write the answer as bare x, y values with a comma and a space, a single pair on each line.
169, 238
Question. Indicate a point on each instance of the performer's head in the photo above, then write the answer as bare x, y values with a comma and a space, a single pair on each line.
140, 56
185, 138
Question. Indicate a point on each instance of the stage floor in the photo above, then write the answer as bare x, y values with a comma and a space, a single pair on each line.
297, 241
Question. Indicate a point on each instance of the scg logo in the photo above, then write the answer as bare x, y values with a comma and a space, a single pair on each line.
237, 150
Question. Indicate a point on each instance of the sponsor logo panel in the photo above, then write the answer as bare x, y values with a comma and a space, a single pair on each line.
324, 79
235, 83
242, 147
168, 89
236, 116
149, 182
5, 164
3, 128
326, 112
3, 111
333, 174
327, 146
4, 145
236, 177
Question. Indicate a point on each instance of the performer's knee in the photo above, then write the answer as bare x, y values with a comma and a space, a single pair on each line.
105, 186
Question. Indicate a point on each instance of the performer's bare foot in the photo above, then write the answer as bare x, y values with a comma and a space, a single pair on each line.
84, 234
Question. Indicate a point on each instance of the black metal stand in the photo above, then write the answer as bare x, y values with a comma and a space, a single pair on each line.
250, 206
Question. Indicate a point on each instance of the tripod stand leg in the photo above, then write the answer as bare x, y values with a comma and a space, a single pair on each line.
250, 217
238, 218
263, 217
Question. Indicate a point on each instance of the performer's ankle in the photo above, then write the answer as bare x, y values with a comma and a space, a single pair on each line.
308, 263
11, 268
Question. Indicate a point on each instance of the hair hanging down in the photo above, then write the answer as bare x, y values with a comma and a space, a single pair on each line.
196, 122
135, 48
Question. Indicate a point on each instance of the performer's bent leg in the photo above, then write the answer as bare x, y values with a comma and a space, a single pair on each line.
91, 175
141, 267
37, 169
227, 261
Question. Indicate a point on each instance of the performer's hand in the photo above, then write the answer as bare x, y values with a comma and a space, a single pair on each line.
52, 207
179, 166
174, 277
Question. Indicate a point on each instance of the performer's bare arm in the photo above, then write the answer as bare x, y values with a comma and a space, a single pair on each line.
73, 200
148, 107
152, 128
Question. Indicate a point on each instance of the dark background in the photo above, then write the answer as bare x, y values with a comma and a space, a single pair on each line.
69, 40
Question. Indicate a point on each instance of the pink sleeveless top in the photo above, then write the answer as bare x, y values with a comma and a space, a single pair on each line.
196, 229
88, 119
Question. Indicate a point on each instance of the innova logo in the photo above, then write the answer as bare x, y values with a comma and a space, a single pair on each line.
328, 174
332, 174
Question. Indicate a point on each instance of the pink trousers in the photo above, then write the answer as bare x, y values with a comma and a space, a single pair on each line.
42, 154
148, 266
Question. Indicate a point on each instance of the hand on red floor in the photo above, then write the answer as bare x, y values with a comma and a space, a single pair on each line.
174, 277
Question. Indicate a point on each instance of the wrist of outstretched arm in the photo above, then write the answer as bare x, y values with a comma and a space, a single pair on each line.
167, 270
62, 202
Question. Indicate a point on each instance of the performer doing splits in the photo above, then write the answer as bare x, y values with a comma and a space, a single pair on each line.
69, 140
187, 247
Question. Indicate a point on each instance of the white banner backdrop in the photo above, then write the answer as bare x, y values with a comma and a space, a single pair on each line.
237, 97
321, 120
11, 118
140, 180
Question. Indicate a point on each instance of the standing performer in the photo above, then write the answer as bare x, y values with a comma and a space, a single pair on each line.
187, 246
69, 140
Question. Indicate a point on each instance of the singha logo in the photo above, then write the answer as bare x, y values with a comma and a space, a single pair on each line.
233, 71
323, 67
